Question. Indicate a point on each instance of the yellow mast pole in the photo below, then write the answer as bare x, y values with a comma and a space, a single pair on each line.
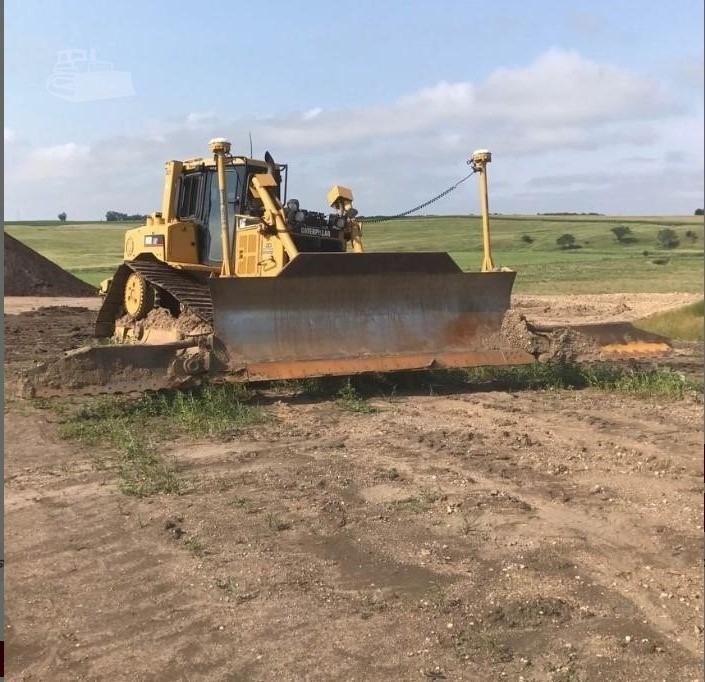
480, 159
220, 147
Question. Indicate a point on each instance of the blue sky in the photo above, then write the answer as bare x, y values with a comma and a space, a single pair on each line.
586, 106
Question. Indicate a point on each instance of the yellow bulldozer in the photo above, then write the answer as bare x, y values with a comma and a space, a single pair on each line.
232, 280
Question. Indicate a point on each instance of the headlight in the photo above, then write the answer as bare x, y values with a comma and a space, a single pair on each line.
293, 204
340, 223
299, 217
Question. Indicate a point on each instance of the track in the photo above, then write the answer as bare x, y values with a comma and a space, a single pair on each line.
187, 291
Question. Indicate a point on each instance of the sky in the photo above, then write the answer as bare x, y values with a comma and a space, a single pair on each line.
585, 106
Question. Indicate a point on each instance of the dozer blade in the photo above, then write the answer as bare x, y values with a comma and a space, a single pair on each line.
336, 314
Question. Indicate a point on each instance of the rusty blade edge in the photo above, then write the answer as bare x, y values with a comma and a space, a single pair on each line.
268, 371
108, 370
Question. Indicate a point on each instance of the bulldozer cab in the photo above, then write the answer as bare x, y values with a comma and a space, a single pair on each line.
198, 201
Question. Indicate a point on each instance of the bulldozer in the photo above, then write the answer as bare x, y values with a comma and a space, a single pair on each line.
232, 280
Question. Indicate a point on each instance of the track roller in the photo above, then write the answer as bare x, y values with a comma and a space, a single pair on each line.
138, 297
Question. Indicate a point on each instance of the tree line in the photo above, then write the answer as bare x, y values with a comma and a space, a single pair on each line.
114, 216
110, 216
666, 238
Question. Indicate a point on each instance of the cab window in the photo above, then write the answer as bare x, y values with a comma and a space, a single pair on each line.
236, 195
190, 199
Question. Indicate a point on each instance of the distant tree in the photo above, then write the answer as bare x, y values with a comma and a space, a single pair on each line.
62, 216
667, 238
699, 211
622, 233
527, 239
691, 236
566, 242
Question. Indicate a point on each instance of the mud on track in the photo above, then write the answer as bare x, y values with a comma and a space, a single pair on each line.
460, 536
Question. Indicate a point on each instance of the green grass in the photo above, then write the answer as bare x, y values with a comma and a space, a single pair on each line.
195, 546
133, 430
92, 251
353, 393
682, 324
349, 398
277, 523
75, 246
601, 265
639, 382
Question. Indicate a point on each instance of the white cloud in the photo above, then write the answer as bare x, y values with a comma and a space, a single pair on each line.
199, 118
58, 161
558, 99
605, 192
10, 135
559, 115
312, 113
562, 88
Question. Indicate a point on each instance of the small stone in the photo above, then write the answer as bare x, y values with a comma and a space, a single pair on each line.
450, 626
627, 639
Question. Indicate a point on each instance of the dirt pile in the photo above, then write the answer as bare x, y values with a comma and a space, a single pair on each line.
561, 343
28, 273
186, 324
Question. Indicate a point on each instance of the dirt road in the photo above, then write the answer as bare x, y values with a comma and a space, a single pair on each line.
449, 536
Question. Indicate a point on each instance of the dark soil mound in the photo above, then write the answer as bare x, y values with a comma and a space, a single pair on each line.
28, 273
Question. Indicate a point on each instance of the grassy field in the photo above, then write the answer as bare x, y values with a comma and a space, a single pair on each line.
684, 323
91, 251
600, 265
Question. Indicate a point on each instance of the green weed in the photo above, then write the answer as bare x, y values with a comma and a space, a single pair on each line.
195, 546
348, 398
133, 429
246, 504
277, 523
655, 382
227, 585
537, 376
390, 474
